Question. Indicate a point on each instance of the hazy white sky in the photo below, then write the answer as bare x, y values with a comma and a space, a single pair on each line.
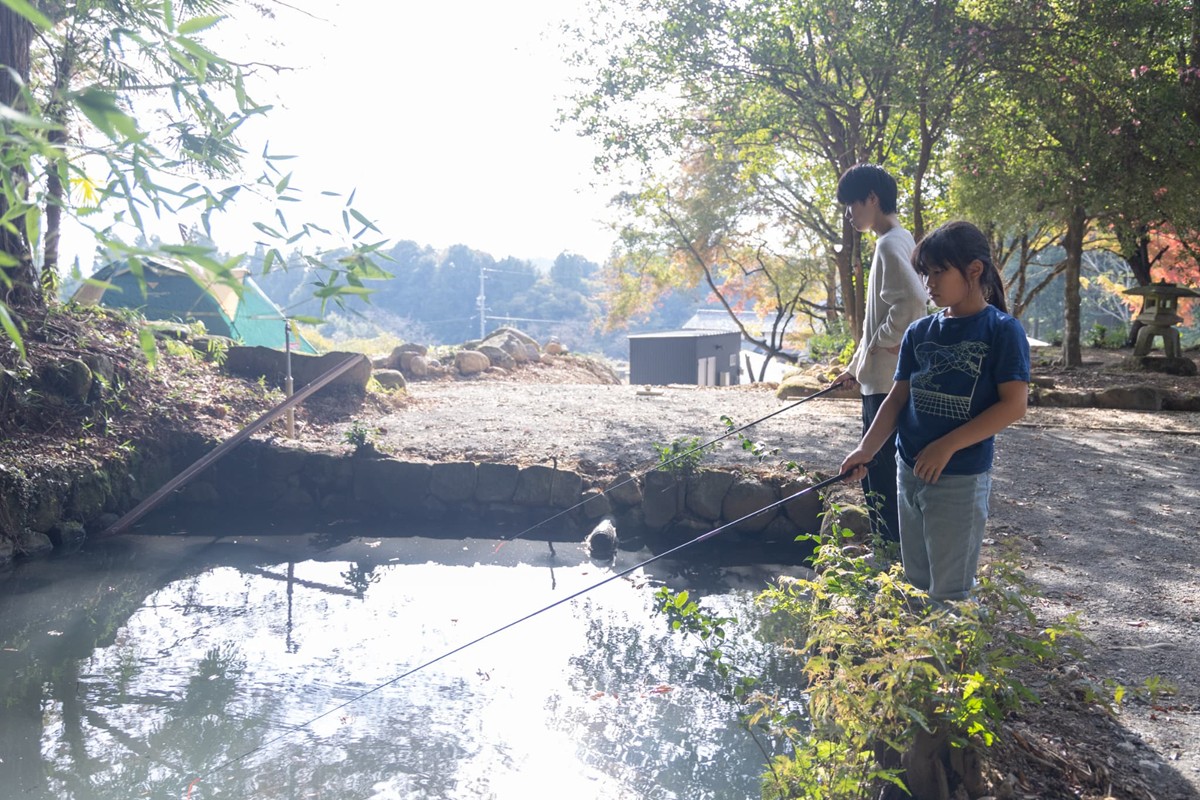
440, 115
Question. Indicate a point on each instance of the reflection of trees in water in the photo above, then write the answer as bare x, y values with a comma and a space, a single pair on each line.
99, 745
113, 712
688, 742
359, 577
116, 711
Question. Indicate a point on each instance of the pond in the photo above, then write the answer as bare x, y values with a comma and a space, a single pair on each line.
314, 665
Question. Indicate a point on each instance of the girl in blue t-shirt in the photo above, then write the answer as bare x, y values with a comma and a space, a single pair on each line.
963, 376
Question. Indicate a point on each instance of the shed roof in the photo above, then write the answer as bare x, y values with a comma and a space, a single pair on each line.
683, 334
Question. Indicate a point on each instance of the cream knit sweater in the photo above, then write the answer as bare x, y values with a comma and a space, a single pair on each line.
896, 297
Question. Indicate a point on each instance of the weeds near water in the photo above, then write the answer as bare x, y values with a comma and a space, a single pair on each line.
757, 449
359, 436
885, 668
683, 456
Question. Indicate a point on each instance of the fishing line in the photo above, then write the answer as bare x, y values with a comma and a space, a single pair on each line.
702, 537
668, 462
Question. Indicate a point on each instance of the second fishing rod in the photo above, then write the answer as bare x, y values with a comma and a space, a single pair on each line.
666, 463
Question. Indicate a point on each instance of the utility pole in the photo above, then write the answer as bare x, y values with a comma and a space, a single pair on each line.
482, 305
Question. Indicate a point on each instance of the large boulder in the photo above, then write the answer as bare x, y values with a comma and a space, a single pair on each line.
496, 483
519, 345
855, 519
798, 385
663, 501
33, 543
390, 379
1171, 365
803, 509
1178, 401
418, 367
471, 362
1062, 398
706, 493
498, 357
624, 491
596, 503
453, 482
69, 378
1131, 398
513, 333
102, 367
746, 496
401, 357
534, 486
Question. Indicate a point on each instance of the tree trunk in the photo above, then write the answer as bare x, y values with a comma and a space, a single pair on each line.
918, 199
850, 274
859, 293
831, 297
1073, 244
845, 276
16, 36
1137, 255
1191, 80
55, 190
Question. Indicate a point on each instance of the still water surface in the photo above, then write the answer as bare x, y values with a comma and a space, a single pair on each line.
151, 666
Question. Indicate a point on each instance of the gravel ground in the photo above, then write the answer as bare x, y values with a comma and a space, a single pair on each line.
1101, 505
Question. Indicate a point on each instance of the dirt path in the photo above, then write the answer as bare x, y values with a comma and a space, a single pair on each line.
1102, 506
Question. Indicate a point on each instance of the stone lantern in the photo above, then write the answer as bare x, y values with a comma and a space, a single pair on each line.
1159, 316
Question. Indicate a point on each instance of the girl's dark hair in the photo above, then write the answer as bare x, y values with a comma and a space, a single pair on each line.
957, 244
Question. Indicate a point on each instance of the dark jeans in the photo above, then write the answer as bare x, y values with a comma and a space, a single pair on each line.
879, 486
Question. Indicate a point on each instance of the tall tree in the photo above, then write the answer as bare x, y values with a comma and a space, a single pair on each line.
1072, 131
702, 230
16, 252
792, 94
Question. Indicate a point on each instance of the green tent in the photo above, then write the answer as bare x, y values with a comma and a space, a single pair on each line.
179, 292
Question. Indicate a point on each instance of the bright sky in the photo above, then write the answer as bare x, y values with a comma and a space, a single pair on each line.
440, 115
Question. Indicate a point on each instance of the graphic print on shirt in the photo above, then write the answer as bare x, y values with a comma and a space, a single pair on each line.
945, 379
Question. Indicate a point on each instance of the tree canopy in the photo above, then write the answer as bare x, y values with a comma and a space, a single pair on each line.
1038, 119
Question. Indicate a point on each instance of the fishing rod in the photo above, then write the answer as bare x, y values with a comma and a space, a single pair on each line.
670, 461
697, 540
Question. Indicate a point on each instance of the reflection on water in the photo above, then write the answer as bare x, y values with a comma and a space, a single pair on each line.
158, 665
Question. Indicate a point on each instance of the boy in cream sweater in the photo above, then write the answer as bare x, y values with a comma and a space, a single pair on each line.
896, 297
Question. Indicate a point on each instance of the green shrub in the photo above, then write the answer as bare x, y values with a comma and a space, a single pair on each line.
358, 436
682, 456
884, 667
835, 345
886, 664
1100, 336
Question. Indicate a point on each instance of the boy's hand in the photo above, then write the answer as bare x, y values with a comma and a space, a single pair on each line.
932, 460
844, 381
856, 464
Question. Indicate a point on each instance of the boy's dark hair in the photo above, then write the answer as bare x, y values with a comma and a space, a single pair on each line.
957, 244
857, 183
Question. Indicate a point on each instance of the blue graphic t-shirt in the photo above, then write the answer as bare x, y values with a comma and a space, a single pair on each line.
954, 366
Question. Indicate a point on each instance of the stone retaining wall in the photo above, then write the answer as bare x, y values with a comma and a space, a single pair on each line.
59, 509
658, 504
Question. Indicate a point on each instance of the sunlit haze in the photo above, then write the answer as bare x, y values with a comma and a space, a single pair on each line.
441, 115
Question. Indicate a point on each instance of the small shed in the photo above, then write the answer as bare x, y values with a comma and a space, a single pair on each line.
700, 357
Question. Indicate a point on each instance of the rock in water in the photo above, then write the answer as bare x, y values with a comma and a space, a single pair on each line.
601, 543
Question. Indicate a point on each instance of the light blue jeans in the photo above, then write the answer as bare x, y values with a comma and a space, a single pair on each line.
941, 530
